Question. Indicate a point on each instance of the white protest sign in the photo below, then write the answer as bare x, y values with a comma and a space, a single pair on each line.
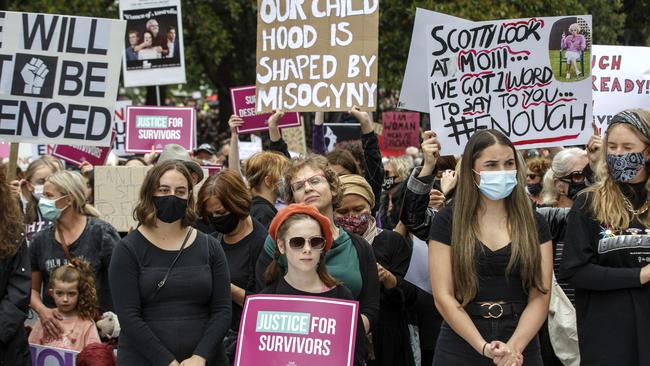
317, 56
511, 75
621, 80
119, 123
59, 78
248, 149
413, 95
153, 44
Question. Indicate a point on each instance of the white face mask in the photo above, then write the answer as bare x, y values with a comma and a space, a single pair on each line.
497, 185
38, 191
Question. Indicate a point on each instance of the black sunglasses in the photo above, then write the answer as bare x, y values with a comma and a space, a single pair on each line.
532, 176
573, 177
315, 242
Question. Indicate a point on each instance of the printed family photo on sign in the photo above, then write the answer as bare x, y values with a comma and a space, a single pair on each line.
152, 38
569, 49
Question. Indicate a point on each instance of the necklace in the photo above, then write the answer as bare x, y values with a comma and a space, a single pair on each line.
630, 208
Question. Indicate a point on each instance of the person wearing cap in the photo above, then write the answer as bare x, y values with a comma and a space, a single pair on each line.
207, 153
607, 250
393, 254
312, 181
177, 152
303, 237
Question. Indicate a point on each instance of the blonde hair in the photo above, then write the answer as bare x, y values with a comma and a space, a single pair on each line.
73, 184
560, 167
607, 205
264, 164
525, 240
575, 26
31, 209
402, 166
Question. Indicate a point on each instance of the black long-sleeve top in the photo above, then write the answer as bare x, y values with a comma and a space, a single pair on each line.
373, 168
188, 316
604, 265
415, 212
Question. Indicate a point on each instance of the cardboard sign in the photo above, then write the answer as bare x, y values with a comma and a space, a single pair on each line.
413, 95
621, 80
117, 190
297, 330
317, 56
76, 154
159, 126
339, 132
243, 105
153, 44
400, 129
295, 139
59, 78
512, 76
51, 356
119, 125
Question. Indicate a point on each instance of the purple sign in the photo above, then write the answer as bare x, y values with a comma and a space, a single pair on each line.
51, 356
212, 169
151, 128
279, 330
243, 105
75, 154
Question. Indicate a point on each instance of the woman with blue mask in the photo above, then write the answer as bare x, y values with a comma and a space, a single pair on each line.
490, 261
76, 232
170, 282
607, 252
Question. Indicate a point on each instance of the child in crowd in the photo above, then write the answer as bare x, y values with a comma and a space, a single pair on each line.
72, 286
573, 44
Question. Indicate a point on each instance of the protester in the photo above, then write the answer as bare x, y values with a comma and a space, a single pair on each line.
170, 282
565, 178
537, 168
135, 161
390, 337
96, 354
206, 153
177, 152
606, 251
263, 171
72, 286
224, 205
397, 171
32, 190
311, 181
77, 232
303, 237
343, 162
15, 280
490, 261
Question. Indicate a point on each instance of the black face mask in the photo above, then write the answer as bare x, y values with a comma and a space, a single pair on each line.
225, 224
170, 208
534, 189
389, 182
574, 188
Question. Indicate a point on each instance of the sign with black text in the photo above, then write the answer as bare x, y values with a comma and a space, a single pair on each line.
58, 78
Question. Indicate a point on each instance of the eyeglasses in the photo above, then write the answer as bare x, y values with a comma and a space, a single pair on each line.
315, 242
313, 182
573, 177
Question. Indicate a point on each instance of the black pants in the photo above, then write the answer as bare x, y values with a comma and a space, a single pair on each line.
453, 350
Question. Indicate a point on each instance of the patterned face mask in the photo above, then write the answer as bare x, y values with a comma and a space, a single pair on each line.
625, 167
357, 224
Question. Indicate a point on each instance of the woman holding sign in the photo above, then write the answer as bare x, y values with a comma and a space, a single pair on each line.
607, 251
303, 237
490, 261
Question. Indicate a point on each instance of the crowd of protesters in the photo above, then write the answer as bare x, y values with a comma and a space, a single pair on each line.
536, 257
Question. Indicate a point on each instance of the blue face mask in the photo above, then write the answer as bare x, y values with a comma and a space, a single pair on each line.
497, 185
48, 208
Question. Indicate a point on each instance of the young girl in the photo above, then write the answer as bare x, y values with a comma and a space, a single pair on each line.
303, 236
72, 286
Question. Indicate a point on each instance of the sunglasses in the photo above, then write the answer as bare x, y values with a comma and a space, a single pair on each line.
573, 177
315, 242
532, 176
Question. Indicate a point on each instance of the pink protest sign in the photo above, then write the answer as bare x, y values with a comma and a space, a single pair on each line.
212, 169
77, 154
243, 105
148, 127
400, 130
4, 149
279, 330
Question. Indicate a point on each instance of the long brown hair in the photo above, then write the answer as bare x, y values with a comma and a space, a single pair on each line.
11, 223
607, 204
465, 245
81, 272
274, 271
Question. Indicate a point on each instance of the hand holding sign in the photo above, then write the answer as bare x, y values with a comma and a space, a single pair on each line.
234, 122
430, 152
33, 74
594, 145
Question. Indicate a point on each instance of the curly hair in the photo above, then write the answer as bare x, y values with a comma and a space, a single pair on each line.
81, 272
11, 223
316, 162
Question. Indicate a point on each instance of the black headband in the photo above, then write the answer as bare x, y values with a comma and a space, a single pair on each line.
632, 119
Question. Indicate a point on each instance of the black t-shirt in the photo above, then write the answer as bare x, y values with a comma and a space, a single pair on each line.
242, 257
282, 287
263, 211
493, 281
94, 245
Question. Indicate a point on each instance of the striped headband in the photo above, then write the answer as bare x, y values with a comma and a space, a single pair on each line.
632, 119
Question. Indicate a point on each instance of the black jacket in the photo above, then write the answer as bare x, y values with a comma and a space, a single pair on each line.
15, 289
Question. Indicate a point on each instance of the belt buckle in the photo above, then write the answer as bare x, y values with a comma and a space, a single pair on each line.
491, 306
